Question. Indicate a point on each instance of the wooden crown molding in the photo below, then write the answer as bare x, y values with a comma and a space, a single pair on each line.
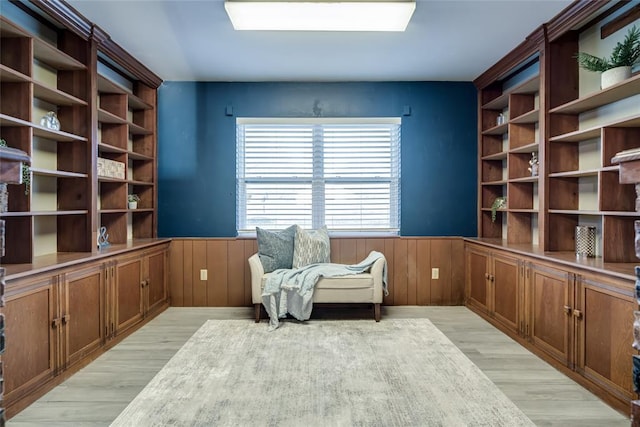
568, 19
524, 50
71, 19
65, 15
573, 15
623, 20
123, 58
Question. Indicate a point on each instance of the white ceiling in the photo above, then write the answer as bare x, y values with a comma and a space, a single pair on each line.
454, 40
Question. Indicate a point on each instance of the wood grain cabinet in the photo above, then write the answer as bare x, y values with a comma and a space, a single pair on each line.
603, 315
58, 320
573, 318
127, 289
63, 325
80, 317
29, 360
550, 301
138, 288
494, 285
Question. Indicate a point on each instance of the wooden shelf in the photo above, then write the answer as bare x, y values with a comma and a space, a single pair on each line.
497, 156
43, 213
140, 183
137, 156
575, 212
601, 98
58, 174
530, 117
55, 58
55, 96
109, 179
525, 179
56, 135
107, 86
497, 130
113, 211
575, 174
529, 86
138, 130
10, 75
621, 213
38, 130
595, 131
526, 211
108, 148
595, 213
529, 148
489, 183
106, 117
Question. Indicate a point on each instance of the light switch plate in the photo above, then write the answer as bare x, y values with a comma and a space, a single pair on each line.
203, 274
435, 273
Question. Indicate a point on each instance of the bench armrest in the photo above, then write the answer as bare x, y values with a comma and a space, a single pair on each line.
257, 271
378, 272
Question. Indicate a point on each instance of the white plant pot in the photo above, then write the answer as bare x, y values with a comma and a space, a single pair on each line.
133, 205
614, 76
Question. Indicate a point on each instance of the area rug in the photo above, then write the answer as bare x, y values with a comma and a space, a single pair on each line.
399, 372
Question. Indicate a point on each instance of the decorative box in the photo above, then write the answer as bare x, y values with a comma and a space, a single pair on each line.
110, 168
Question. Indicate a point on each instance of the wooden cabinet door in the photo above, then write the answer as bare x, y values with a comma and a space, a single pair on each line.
477, 267
30, 358
128, 286
156, 282
605, 333
551, 299
82, 313
505, 282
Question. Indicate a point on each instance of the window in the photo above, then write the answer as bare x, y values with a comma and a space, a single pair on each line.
344, 173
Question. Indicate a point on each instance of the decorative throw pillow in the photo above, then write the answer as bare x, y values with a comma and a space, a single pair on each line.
311, 247
275, 248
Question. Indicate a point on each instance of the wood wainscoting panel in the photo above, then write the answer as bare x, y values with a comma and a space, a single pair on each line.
228, 284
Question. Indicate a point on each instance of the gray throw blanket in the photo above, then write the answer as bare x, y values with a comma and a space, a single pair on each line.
291, 290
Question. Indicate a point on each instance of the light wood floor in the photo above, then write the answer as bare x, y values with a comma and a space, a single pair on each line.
100, 391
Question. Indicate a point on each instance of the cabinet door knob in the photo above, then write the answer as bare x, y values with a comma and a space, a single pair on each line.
567, 310
487, 276
55, 322
577, 314
65, 319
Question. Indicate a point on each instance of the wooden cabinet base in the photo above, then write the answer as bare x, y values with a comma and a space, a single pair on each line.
63, 316
574, 318
615, 402
14, 407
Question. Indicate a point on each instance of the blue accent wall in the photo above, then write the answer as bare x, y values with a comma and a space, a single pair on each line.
196, 147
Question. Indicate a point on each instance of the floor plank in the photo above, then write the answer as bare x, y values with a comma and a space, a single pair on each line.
99, 392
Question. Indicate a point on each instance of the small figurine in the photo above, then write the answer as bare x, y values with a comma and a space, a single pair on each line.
103, 238
50, 121
533, 164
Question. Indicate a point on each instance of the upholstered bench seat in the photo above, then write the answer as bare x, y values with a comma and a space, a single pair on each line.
356, 288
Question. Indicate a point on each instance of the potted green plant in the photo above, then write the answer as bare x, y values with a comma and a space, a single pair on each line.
133, 200
498, 203
617, 67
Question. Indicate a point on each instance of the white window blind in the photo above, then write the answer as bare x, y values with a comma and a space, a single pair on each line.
344, 173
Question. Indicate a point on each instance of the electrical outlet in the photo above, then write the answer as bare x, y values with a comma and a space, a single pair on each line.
203, 274
435, 273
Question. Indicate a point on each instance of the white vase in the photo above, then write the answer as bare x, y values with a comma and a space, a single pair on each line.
133, 205
614, 76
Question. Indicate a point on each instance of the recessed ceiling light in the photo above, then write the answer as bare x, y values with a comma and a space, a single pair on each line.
352, 15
